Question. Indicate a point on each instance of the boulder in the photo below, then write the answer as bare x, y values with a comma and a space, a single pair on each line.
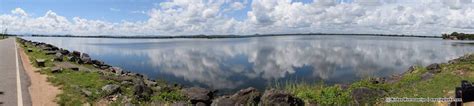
126, 83
377, 80
72, 58
97, 62
103, 67
64, 51
434, 68
365, 95
76, 54
116, 70
426, 76
85, 59
86, 93
151, 83
242, 97
29, 50
280, 97
40, 62
110, 89
58, 57
141, 91
197, 94
56, 70
393, 79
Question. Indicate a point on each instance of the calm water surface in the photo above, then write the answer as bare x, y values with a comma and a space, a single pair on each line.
232, 64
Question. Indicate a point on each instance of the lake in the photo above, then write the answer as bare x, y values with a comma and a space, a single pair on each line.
233, 64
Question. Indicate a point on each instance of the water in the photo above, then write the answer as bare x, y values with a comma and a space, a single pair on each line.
232, 64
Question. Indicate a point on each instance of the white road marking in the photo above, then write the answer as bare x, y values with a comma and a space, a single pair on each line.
18, 82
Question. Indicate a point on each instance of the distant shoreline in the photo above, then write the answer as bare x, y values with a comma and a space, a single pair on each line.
223, 36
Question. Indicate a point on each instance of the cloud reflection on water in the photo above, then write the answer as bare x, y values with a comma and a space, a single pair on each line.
238, 63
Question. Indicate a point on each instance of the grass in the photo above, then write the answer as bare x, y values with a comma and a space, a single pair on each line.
320, 94
73, 83
441, 85
170, 96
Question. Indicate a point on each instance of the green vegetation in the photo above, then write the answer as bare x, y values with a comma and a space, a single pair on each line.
170, 96
410, 85
458, 36
319, 93
79, 87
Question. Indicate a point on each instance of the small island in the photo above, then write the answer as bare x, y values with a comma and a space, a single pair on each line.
458, 36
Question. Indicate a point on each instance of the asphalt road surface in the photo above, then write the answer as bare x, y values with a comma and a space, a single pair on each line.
13, 79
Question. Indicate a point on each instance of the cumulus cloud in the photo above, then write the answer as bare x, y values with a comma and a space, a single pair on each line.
184, 17
19, 11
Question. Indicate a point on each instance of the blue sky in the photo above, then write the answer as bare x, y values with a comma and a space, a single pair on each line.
175, 17
90, 9
110, 10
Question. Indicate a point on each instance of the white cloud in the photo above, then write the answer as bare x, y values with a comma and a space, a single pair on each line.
114, 9
138, 12
19, 11
237, 6
184, 17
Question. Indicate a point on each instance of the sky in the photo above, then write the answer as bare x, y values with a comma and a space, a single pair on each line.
193, 17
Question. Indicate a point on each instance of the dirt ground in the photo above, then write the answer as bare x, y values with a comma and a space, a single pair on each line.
42, 92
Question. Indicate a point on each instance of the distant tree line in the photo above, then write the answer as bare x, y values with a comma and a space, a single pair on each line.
458, 36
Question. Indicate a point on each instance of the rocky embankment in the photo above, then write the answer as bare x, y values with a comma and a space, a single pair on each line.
143, 89
125, 87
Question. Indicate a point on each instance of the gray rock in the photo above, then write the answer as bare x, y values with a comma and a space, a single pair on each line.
141, 91
365, 95
87, 93
76, 54
103, 67
97, 62
377, 80
58, 57
201, 104
280, 97
224, 101
426, 76
56, 70
434, 68
393, 79
242, 97
64, 52
85, 59
151, 83
110, 89
126, 83
72, 58
197, 94
116, 70
40, 62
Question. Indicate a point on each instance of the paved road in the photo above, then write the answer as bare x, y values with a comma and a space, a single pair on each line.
13, 89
